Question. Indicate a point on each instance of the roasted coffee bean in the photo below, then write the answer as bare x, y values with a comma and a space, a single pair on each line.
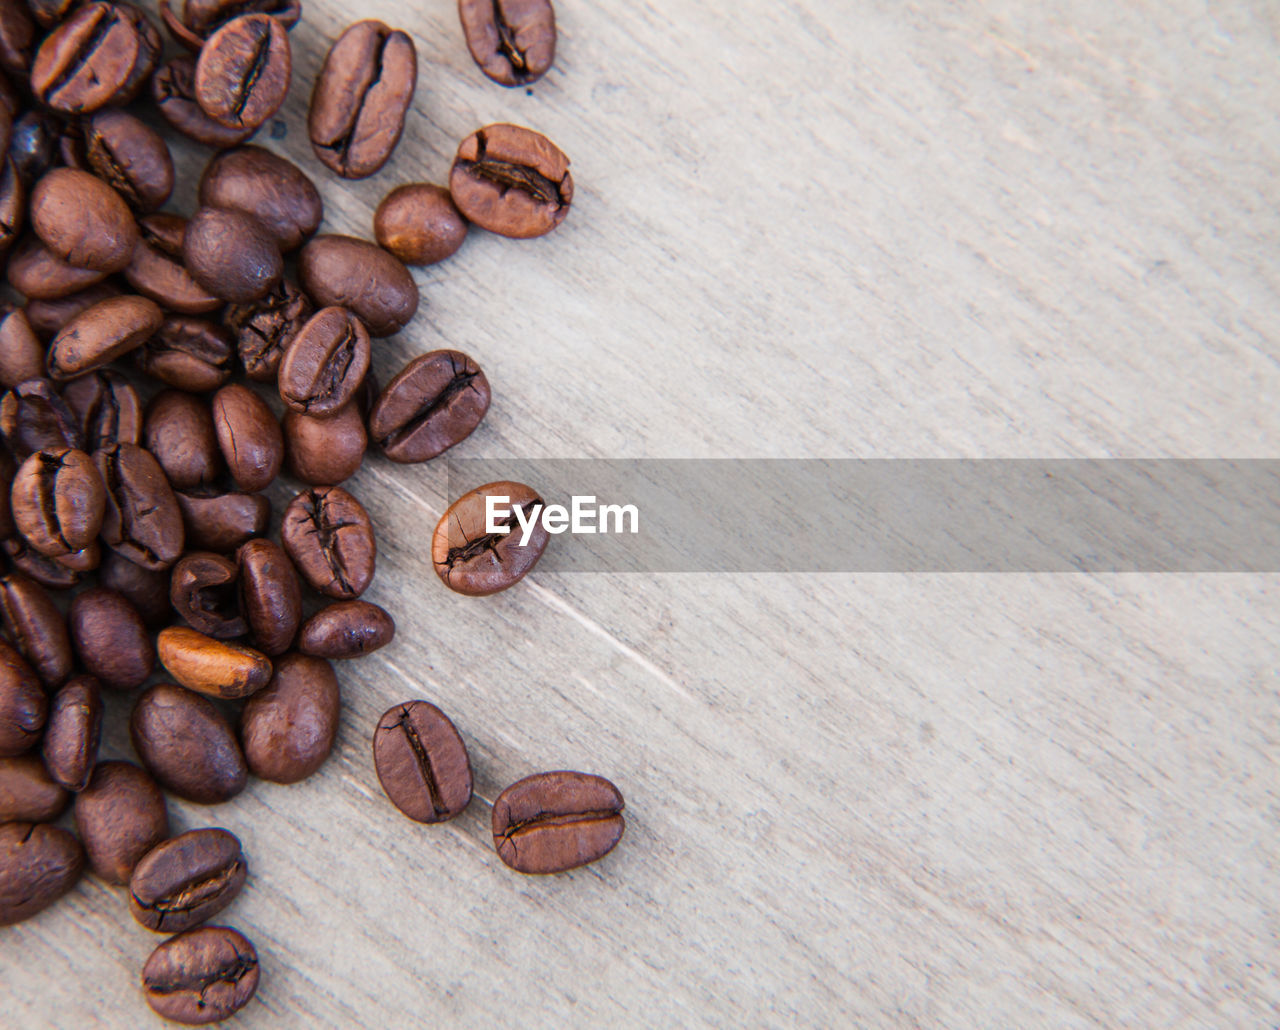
325, 365
17, 38
243, 71
180, 435
270, 596
555, 821
48, 13
39, 863
187, 745
187, 879
48, 317
73, 732
328, 535
231, 254
249, 435
325, 451
217, 521
266, 328
513, 41
36, 628
39, 274
200, 18
10, 101
85, 560
101, 334
98, 56
203, 592
346, 629
273, 190
289, 728
512, 181
121, 816
131, 156
13, 204
146, 589
190, 353
142, 519
342, 271
21, 352
58, 501
156, 270
422, 762
215, 668
111, 638
34, 417
470, 559
360, 98
33, 144
27, 793
419, 223
48, 572
107, 408
23, 705
83, 221
173, 87
202, 976
434, 403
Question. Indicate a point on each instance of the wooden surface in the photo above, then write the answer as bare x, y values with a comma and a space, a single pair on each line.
810, 229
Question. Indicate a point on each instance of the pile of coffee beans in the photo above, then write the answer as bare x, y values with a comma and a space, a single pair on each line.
144, 356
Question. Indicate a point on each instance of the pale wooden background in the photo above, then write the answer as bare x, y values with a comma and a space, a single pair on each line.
801, 228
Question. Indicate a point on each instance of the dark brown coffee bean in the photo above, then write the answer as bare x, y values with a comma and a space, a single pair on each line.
193, 354
27, 793
360, 98
13, 204
33, 144
422, 762
121, 816
101, 334
35, 626
48, 572
17, 37
328, 535
187, 879
48, 13
83, 221
215, 668
98, 56
200, 18
142, 519
23, 705
512, 181
34, 417
131, 157
346, 629
73, 732
289, 728
203, 592
58, 501
275, 191
202, 976
243, 71
39, 274
470, 559
48, 317
173, 88
156, 270
218, 521
187, 745
180, 435
107, 408
342, 271
325, 451
249, 435
270, 596
265, 328
111, 639
434, 403
325, 364
231, 254
419, 223
85, 560
39, 863
555, 821
513, 41
21, 352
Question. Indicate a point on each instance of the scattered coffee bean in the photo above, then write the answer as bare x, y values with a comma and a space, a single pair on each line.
326, 363
146, 589
131, 157
98, 56
39, 274
217, 521
202, 976
34, 417
555, 821
157, 272
273, 190
435, 402
47, 317
346, 629
101, 334
187, 744
58, 501
174, 90
243, 71
187, 879
512, 181
27, 792
48, 572
39, 863
107, 408
270, 596
211, 667
328, 535
17, 38
289, 728
35, 626
325, 451
21, 352
121, 816
111, 638
513, 41
422, 762
265, 329
231, 254
471, 560
142, 520
73, 732
180, 436
342, 271
249, 435
83, 221
203, 592
200, 18
33, 144
419, 223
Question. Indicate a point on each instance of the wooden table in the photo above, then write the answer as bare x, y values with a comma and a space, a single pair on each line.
880, 229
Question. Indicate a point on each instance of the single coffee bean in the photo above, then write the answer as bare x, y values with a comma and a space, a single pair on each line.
187, 745
513, 41
243, 71
360, 98
200, 18
289, 728
48, 572
23, 705
48, 317
58, 501
111, 638
180, 435
434, 403
422, 762
470, 559
202, 976
83, 221
273, 190
131, 157
187, 879
328, 535
231, 254
512, 181
325, 451
21, 352
173, 87
107, 408
101, 334
156, 269
419, 223
265, 329
121, 816
249, 435
193, 354
34, 417
342, 271
39, 274
326, 363
203, 592
33, 144
35, 626
217, 521
27, 793
270, 596
142, 520
215, 668
555, 821
73, 732
146, 589
17, 38
39, 863
96, 57
346, 629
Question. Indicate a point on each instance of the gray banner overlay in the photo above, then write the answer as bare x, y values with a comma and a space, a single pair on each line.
759, 515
